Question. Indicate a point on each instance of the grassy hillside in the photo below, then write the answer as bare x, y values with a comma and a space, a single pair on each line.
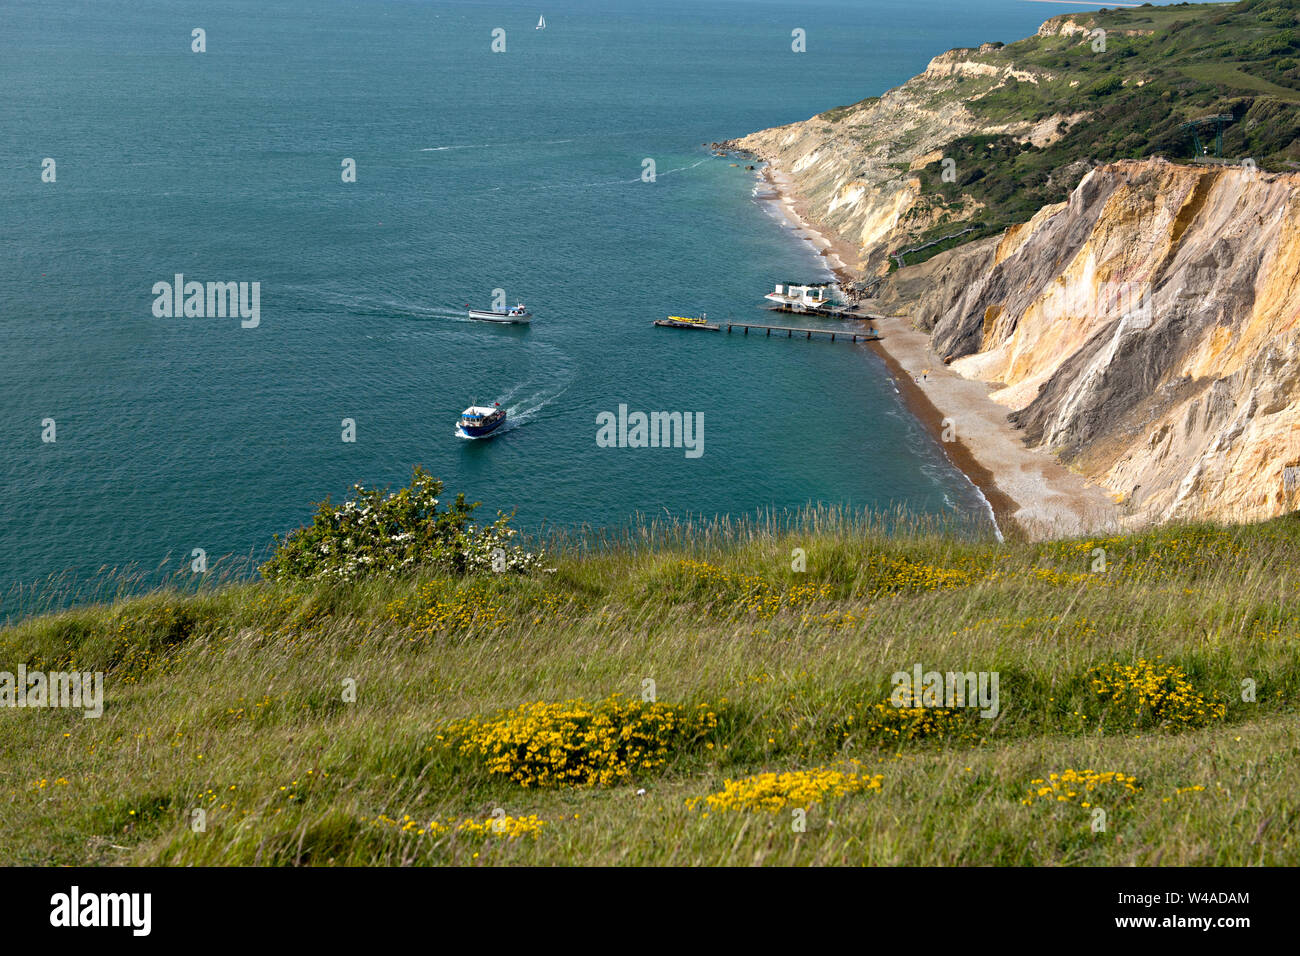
1161, 68
234, 701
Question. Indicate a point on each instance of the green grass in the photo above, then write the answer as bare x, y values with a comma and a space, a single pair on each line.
1234, 76
232, 701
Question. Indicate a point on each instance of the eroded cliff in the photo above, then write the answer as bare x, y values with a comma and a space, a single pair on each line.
1145, 331
985, 137
860, 169
1137, 317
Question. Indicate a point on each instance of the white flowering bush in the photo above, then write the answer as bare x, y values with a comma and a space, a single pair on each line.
377, 532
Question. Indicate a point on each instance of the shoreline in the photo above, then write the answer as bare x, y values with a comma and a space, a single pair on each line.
916, 402
1031, 494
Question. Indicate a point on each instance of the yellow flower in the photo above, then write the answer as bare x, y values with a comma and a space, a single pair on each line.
773, 792
578, 744
1068, 785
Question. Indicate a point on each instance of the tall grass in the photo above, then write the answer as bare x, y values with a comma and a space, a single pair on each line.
235, 700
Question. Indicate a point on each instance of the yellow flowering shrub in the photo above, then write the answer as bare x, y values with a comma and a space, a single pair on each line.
505, 827
1162, 554
883, 723
439, 606
1179, 791
728, 592
773, 792
1081, 788
891, 574
1144, 694
1068, 627
833, 620
580, 744
871, 725
1070, 579
436, 607
1173, 552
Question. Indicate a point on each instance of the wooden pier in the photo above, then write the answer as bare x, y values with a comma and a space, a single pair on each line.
837, 312
867, 335
821, 311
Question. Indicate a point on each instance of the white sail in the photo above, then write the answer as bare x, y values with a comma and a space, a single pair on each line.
541, 23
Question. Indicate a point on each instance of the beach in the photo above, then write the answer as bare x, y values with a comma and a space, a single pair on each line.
1029, 491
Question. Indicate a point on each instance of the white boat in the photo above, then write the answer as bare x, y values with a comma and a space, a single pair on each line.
541, 23
516, 316
812, 297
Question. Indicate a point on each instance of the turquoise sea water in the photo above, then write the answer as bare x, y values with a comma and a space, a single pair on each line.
475, 171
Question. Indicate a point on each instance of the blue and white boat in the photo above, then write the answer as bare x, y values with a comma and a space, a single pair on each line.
480, 420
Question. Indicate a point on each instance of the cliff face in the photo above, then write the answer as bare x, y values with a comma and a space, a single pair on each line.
985, 137
858, 168
1135, 317
1145, 331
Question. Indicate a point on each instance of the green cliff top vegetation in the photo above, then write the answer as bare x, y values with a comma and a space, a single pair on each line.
674, 697
1160, 68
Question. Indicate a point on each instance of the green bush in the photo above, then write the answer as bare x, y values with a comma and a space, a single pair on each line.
1105, 87
375, 532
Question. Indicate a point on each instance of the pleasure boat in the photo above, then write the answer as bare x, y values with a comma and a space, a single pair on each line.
516, 316
480, 420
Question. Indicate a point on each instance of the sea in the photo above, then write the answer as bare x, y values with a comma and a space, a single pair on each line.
374, 167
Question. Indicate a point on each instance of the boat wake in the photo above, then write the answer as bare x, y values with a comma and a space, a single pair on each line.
525, 409
388, 308
603, 135
433, 312
546, 142
618, 182
529, 408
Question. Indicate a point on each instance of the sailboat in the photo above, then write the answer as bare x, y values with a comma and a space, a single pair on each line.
541, 23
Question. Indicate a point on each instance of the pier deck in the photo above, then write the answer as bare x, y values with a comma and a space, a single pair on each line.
832, 312
864, 335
